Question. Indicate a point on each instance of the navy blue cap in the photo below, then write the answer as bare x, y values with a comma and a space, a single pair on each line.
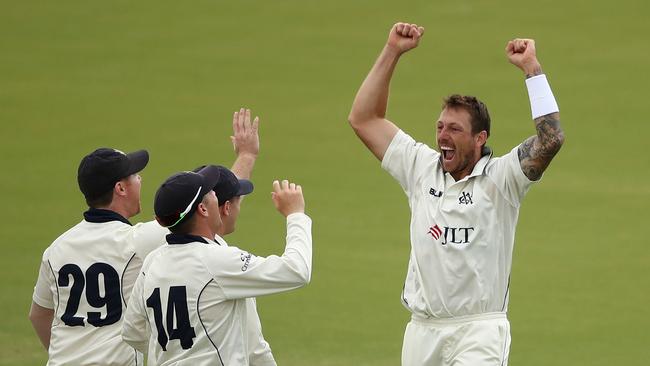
229, 186
178, 197
101, 169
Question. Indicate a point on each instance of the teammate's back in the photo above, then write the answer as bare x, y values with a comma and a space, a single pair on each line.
205, 280
87, 274
92, 269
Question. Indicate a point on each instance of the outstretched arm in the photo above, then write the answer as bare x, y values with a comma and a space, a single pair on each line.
246, 142
536, 152
368, 115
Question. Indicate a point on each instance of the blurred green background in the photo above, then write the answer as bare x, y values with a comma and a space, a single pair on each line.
167, 75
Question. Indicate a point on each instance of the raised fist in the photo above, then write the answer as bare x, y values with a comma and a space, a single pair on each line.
404, 36
521, 53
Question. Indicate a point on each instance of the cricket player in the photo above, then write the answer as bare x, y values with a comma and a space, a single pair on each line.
464, 207
87, 274
189, 305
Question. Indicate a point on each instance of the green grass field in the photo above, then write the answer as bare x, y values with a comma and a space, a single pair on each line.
166, 76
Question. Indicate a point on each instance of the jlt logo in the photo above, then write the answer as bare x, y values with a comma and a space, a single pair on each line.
435, 231
465, 199
456, 235
435, 193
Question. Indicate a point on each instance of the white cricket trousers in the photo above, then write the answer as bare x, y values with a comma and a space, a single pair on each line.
474, 340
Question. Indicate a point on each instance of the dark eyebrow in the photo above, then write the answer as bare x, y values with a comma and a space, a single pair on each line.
452, 123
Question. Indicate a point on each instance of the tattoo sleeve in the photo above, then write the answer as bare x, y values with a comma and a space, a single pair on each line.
536, 152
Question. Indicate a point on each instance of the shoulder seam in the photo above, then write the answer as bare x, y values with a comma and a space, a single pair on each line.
56, 283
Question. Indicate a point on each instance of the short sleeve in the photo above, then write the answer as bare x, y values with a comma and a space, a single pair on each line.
402, 157
505, 171
43, 294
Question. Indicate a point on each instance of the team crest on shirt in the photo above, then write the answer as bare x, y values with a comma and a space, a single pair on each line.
465, 199
454, 235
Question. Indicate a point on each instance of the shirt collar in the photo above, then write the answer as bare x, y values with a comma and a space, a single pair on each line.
100, 215
219, 240
185, 239
479, 168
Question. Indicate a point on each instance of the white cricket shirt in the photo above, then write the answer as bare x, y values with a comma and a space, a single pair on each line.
259, 349
462, 233
189, 305
86, 276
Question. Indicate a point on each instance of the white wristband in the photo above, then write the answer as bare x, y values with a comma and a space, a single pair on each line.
542, 101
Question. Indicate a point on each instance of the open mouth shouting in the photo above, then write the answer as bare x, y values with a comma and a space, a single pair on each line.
448, 153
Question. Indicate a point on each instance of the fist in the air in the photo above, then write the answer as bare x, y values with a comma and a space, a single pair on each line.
521, 53
404, 36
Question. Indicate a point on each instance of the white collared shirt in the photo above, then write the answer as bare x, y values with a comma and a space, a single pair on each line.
259, 349
462, 233
86, 276
190, 304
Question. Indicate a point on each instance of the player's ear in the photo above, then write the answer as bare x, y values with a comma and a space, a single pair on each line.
119, 188
202, 209
225, 208
481, 138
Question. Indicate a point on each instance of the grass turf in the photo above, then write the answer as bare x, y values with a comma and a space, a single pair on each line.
166, 76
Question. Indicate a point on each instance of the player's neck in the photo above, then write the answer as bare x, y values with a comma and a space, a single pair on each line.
458, 175
117, 209
225, 228
203, 231
222, 231
462, 174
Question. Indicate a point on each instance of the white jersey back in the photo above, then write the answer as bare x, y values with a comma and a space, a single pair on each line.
86, 276
189, 304
462, 233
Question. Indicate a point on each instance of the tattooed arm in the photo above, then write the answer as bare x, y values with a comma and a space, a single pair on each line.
536, 152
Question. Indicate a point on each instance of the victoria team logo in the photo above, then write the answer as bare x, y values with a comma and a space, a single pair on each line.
465, 199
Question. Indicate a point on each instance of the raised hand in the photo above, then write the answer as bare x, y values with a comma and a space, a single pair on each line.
287, 197
246, 139
404, 36
521, 53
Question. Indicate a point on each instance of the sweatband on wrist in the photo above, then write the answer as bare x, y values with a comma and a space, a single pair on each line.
542, 101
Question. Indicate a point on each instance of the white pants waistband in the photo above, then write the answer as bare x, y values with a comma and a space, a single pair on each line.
458, 319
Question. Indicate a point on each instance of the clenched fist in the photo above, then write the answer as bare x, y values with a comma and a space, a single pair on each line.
521, 53
404, 36
287, 197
